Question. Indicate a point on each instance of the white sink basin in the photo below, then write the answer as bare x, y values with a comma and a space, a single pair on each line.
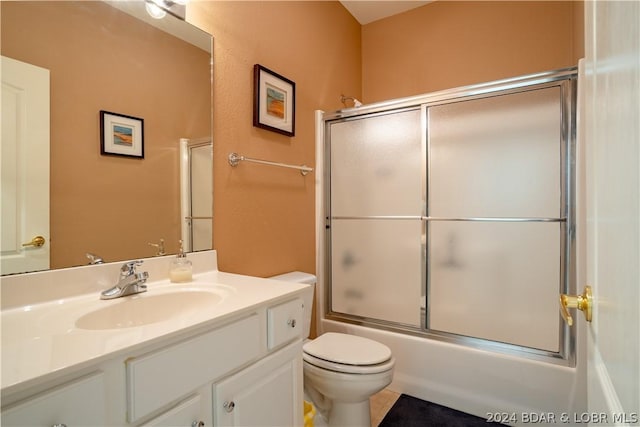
144, 309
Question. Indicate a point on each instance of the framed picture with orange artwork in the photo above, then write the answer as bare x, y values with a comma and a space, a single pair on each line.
121, 135
274, 101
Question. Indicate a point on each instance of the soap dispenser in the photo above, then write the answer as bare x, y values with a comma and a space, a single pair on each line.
180, 270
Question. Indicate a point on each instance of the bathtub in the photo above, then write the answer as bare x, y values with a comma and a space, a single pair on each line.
508, 389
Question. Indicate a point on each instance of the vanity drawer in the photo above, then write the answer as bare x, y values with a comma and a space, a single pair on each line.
156, 379
80, 403
284, 323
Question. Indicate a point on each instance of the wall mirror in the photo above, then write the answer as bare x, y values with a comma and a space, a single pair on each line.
97, 57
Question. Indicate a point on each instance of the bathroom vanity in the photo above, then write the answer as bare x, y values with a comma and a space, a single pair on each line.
224, 349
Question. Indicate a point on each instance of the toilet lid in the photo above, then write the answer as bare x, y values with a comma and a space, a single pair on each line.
347, 349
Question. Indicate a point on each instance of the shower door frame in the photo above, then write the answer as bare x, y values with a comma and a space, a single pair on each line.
566, 79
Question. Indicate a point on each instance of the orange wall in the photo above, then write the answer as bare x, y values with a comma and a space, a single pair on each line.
110, 205
447, 44
264, 216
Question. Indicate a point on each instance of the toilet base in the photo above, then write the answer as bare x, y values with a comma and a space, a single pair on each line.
343, 399
349, 414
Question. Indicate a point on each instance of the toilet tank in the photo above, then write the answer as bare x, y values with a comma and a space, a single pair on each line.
306, 279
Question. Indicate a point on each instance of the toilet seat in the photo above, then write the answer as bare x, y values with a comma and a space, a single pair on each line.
348, 354
348, 369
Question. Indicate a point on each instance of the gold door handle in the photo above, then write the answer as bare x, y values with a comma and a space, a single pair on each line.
35, 242
582, 302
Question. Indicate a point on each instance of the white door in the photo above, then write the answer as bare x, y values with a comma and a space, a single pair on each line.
25, 167
612, 139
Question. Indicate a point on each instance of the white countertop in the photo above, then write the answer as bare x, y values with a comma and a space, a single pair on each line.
41, 341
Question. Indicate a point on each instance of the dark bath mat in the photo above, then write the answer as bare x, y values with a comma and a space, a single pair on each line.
412, 412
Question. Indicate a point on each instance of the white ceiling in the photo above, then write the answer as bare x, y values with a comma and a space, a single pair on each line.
368, 11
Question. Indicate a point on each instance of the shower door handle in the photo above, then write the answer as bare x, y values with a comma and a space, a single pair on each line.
582, 302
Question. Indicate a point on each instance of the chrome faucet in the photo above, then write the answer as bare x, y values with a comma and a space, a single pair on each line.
130, 282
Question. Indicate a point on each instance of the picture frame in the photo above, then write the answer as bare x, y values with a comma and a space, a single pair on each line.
121, 135
274, 101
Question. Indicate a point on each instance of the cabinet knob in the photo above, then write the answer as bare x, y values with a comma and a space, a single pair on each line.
228, 406
59, 425
197, 424
291, 322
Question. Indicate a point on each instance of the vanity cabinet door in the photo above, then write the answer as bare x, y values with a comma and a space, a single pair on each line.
78, 403
185, 414
268, 393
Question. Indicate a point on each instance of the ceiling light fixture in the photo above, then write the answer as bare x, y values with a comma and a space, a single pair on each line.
158, 9
155, 9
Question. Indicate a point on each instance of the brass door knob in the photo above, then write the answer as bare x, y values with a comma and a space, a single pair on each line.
582, 302
36, 242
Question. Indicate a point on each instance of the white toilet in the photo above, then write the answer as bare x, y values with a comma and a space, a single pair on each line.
341, 371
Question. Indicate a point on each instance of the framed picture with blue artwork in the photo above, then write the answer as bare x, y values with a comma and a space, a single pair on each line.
274, 101
121, 135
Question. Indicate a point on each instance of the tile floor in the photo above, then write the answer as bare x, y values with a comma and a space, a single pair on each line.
380, 403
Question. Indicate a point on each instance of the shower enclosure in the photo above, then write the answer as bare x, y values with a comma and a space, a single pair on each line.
450, 216
196, 194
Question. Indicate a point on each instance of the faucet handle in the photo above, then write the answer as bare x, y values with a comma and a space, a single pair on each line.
159, 247
94, 259
129, 268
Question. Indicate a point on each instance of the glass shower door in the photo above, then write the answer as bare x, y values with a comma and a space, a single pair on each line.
450, 216
497, 217
377, 199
